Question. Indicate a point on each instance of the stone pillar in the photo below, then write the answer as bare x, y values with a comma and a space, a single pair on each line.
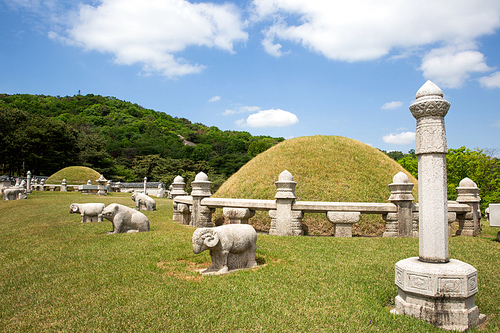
42, 184
185, 213
177, 189
468, 193
238, 215
402, 197
101, 185
432, 287
64, 186
343, 222
28, 183
161, 191
201, 216
145, 184
286, 221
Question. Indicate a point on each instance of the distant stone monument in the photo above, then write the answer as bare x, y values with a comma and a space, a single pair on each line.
161, 191
432, 287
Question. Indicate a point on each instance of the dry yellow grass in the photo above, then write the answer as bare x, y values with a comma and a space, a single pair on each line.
326, 168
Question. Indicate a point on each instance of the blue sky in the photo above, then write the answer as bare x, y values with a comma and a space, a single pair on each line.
285, 68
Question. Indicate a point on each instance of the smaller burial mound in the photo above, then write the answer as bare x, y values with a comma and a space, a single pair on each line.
74, 175
326, 168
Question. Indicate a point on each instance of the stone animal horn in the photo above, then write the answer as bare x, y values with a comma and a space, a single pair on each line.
211, 239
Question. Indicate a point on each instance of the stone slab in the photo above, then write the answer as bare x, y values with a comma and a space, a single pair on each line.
494, 215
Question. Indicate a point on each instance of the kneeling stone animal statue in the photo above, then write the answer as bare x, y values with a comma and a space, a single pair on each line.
125, 219
143, 201
90, 212
231, 246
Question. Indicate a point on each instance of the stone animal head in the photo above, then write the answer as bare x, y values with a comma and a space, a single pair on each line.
109, 211
204, 239
133, 196
73, 208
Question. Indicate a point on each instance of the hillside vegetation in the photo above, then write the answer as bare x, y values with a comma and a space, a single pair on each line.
326, 168
74, 175
119, 139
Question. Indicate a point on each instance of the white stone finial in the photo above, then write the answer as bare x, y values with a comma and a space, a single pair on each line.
467, 182
400, 178
178, 179
285, 176
429, 89
201, 177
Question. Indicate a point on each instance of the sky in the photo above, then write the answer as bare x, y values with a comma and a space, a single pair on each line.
283, 68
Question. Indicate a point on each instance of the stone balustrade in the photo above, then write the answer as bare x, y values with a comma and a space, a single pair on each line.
286, 214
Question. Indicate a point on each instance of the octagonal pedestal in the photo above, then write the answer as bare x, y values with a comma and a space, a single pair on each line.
441, 294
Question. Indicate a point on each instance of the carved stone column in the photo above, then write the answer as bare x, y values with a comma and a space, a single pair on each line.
468, 193
238, 215
64, 186
28, 183
402, 197
284, 221
432, 287
201, 216
177, 189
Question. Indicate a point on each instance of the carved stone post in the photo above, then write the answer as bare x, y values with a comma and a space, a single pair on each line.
402, 197
64, 186
468, 193
201, 216
101, 185
145, 185
238, 215
433, 287
185, 212
343, 222
286, 221
28, 183
177, 189
42, 185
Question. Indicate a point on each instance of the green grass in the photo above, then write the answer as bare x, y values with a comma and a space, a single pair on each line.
326, 168
57, 274
74, 175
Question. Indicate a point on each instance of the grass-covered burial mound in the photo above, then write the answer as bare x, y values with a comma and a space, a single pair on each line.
326, 168
74, 175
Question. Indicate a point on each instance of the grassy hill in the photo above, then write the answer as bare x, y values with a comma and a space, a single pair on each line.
326, 168
74, 175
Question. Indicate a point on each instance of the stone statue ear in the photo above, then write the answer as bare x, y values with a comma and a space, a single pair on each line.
211, 239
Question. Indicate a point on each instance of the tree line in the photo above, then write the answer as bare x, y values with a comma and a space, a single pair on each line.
119, 139
481, 166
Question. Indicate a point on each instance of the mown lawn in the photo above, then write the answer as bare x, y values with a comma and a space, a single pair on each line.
57, 274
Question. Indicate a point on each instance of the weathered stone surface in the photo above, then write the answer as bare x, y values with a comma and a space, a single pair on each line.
201, 216
238, 215
402, 197
125, 219
143, 202
343, 222
468, 193
90, 212
231, 246
494, 215
161, 191
441, 294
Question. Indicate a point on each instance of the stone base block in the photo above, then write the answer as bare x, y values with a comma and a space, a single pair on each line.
441, 294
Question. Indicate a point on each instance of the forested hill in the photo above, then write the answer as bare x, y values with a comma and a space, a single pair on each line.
122, 140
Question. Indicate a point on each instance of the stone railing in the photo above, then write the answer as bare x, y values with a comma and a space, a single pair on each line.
400, 214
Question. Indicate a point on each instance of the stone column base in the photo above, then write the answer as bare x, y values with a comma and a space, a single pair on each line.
441, 294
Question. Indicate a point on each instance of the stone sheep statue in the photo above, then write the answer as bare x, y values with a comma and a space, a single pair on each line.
90, 212
125, 219
231, 246
143, 202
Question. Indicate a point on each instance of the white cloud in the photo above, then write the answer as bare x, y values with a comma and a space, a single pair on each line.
214, 99
360, 30
450, 67
403, 138
241, 109
492, 81
151, 32
269, 118
391, 105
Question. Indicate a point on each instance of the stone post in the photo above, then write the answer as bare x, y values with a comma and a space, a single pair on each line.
201, 216
185, 213
28, 183
432, 287
64, 186
145, 184
42, 185
284, 221
101, 185
238, 215
343, 222
402, 197
177, 189
468, 193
